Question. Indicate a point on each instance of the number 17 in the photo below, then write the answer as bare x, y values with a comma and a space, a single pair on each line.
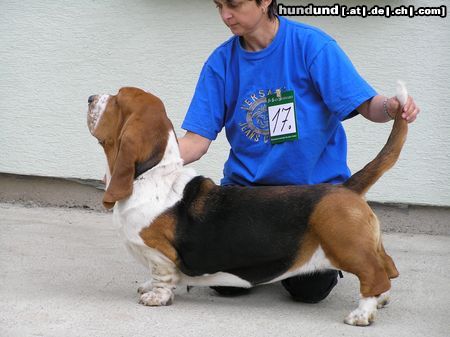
277, 116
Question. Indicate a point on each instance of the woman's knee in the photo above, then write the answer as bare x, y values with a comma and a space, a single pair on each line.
311, 288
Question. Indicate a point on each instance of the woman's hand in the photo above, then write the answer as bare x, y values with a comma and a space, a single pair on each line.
409, 111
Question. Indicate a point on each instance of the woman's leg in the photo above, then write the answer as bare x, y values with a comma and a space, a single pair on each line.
311, 288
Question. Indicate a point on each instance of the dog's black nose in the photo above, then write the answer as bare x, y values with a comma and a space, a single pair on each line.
91, 99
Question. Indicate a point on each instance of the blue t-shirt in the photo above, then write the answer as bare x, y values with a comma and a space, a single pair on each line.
232, 91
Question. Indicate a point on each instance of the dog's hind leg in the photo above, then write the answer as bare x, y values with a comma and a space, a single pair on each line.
366, 312
383, 300
349, 233
375, 285
391, 271
388, 263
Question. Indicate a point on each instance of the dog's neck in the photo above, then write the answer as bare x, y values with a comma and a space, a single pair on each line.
159, 188
171, 159
169, 170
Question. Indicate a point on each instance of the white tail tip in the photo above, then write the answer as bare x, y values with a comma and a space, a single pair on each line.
402, 92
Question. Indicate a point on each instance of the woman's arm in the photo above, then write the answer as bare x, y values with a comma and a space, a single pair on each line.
374, 109
192, 147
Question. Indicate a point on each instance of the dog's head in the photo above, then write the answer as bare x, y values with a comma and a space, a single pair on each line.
132, 127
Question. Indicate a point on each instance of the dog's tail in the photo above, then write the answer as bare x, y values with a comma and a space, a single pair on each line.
362, 180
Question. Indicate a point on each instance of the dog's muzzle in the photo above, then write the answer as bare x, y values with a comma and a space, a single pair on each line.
96, 107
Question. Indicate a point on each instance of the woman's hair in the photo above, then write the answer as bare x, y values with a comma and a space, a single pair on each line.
271, 9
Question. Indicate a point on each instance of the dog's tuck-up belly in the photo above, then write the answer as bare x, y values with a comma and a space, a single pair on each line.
252, 233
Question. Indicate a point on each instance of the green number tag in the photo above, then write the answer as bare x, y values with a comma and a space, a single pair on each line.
282, 120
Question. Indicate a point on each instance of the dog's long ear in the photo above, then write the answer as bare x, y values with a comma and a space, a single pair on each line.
121, 184
143, 139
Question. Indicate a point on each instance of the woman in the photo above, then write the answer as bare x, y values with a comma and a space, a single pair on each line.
272, 55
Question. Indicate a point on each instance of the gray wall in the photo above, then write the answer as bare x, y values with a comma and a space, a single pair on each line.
54, 54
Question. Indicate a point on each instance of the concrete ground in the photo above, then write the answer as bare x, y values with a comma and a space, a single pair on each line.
65, 272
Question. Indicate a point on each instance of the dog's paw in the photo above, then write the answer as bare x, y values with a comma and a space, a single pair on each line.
364, 315
157, 297
360, 317
145, 287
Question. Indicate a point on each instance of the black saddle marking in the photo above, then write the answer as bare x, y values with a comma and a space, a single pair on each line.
251, 232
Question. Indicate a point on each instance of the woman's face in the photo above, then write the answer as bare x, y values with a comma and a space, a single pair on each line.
241, 16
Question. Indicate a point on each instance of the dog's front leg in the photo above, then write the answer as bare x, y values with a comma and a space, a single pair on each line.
145, 287
159, 291
157, 297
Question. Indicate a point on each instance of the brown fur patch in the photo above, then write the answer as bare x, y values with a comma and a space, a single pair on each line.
388, 263
160, 235
349, 234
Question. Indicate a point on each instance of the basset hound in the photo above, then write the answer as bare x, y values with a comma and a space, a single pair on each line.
187, 230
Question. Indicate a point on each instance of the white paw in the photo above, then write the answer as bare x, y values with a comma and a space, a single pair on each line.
157, 297
145, 287
364, 315
360, 317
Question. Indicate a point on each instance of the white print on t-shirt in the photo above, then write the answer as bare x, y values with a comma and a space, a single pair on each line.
256, 125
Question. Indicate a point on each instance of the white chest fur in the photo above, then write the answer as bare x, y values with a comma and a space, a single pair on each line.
153, 192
